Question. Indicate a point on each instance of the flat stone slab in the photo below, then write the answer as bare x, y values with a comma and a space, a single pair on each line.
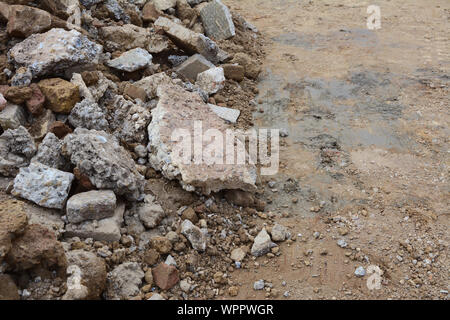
132, 60
193, 66
43, 185
217, 20
91, 205
225, 113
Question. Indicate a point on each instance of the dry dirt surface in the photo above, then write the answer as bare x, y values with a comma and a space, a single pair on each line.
367, 156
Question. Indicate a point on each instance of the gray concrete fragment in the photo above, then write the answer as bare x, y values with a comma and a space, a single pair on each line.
91, 205
132, 60
49, 153
12, 117
193, 66
225, 113
16, 150
262, 244
217, 20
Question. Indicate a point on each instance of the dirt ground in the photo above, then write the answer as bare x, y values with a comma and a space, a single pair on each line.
367, 156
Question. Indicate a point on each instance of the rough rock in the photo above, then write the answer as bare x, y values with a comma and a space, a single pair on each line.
165, 276
13, 221
211, 80
163, 5
8, 289
16, 150
108, 165
60, 8
262, 244
54, 52
238, 255
37, 247
178, 108
150, 84
194, 234
87, 114
107, 229
190, 41
85, 93
150, 13
150, 212
279, 233
12, 116
25, 21
227, 114
43, 185
124, 281
161, 244
124, 37
158, 43
234, 72
91, 205
252, 69
22, 78
189, 214
17, 95
217, 20
61, 95
93, 271
132, 60
41, 124
49, 153
75, 289
129, 120
135, 92
35, 104
193, 66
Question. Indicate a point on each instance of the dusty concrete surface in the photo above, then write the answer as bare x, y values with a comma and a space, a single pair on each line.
366, 159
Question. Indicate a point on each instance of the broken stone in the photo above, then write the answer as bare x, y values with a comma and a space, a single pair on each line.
163, 5
135, 92
151, 83
124, 281
25, 21
75, 289
91, 205
227, 114
49, 153
161, 244
194, 234
238, 255
193, 66
279, 233
54, 52
12, 117
178, 108
189, 40
22, 78
116, 11
87, 114
252, 69
35, 104
61, 95
41, 124
217, 20
93, 272
37, 247
150, 13
85, 93
60, 8
132, 60
108, 165
13, 221
234, 72
107, 229
17, 95
8, 289
16, 150
129, 120
158, 43
189, 214
211, 80
124, 37
262, 244
165, 276
150, 212
43, 185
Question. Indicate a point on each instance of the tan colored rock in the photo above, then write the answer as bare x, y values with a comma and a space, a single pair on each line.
124, 37
25, 21
252, 68
18, 95
13, 221
61, 95
161, 244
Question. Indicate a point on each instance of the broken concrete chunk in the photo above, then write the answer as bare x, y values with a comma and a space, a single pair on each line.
151, 83
12, 117
163, 5
91, 205
194, 234
211, 80
262, 244
132, 60
25, 21
124, 37
189, 40
41, 124
193, 66
49, 153
225, 113
61, 95
108, 165
180, 109
124, 281
217, 20
16, 149
279, 233
43, 185
87, 114
107, 229
150, 212
54, 52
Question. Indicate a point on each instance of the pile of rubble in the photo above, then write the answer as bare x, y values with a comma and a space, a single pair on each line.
90, 92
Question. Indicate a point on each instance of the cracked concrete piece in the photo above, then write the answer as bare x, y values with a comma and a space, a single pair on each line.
91, 205
217, 20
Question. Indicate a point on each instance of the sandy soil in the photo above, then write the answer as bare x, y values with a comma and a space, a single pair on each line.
367, 155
